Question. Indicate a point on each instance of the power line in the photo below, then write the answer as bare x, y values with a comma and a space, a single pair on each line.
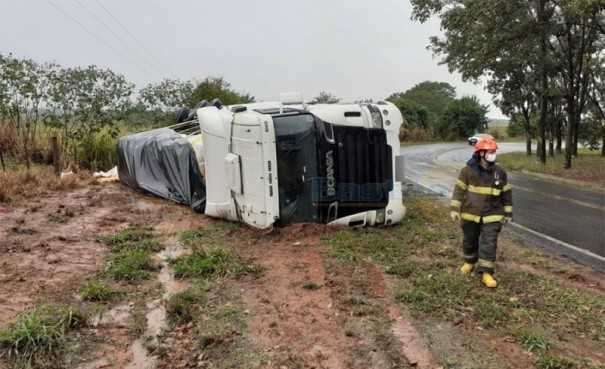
120, 37
137, 40
103, 41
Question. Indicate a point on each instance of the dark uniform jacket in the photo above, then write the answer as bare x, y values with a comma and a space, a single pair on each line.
482, 194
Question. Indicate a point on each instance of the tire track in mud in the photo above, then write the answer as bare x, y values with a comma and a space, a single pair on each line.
288, 319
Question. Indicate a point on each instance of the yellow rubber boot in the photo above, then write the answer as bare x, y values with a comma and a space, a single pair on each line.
467, 268
489, 280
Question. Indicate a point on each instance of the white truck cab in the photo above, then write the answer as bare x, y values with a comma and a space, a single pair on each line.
275, 163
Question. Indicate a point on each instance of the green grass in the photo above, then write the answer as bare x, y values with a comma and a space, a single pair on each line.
531, 339
214, 234
132, 234
489, 312
182, 308
310, 285
404, 269
36, 339
98, 290
423, 253
221, 335
131, 266
131, 260
218, 262
551, 362
588, 166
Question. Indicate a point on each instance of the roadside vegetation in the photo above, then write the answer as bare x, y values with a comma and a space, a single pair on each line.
589, 166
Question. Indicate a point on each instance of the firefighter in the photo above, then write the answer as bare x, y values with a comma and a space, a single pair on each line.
482, 202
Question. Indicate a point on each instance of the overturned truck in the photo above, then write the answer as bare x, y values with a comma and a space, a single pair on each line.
275, 163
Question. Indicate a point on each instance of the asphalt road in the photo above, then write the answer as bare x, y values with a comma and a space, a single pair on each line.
567, 220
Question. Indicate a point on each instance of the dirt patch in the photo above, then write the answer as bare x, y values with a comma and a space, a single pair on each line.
309, 310
283, 315
48, 246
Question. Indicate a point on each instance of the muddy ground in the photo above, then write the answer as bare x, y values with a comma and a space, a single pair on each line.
50, 246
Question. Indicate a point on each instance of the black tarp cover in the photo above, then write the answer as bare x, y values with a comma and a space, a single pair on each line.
162, 163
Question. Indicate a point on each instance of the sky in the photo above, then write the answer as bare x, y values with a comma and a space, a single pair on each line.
353, 49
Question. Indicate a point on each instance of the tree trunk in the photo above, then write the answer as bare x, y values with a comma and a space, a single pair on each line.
575, 141
543, 98
568, 147
4, 168
602, 144
559, 137
527, 127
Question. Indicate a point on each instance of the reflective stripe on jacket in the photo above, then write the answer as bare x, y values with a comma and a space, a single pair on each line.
482, 194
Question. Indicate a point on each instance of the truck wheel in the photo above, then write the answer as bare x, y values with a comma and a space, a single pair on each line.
193, 112
181, 115
216, 103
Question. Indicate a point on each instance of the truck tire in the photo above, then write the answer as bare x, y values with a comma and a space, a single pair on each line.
193, 112
216, 103
181, 115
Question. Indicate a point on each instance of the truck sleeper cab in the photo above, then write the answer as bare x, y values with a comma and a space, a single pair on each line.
284, 162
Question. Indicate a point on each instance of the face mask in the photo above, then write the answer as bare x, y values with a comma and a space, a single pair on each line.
490, 157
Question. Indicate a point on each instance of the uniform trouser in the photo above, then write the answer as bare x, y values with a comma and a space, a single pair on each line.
479, 244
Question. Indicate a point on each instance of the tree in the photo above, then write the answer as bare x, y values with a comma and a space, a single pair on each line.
517, 99
555, 39
429, 98
87, 102
164, 98
433, 96
24, 88
217, 88
463, 118
596, 94
415, 115
167, 95
326, 98
579, 41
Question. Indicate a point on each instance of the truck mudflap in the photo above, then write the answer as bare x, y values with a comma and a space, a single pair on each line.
391, 214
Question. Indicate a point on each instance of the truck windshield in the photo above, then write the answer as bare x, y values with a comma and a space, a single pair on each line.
295, 140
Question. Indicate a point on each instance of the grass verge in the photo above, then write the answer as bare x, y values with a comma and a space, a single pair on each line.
423, 253
587, 166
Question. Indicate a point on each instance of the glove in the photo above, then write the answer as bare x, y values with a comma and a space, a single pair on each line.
505, 220
455, 216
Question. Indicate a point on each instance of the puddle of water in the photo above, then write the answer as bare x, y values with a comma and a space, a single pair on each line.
156, 311
117, 316
165, 276
156, 318
140, 359
97, 364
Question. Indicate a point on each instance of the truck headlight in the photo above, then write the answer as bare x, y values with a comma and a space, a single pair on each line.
376, 116
380, 216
